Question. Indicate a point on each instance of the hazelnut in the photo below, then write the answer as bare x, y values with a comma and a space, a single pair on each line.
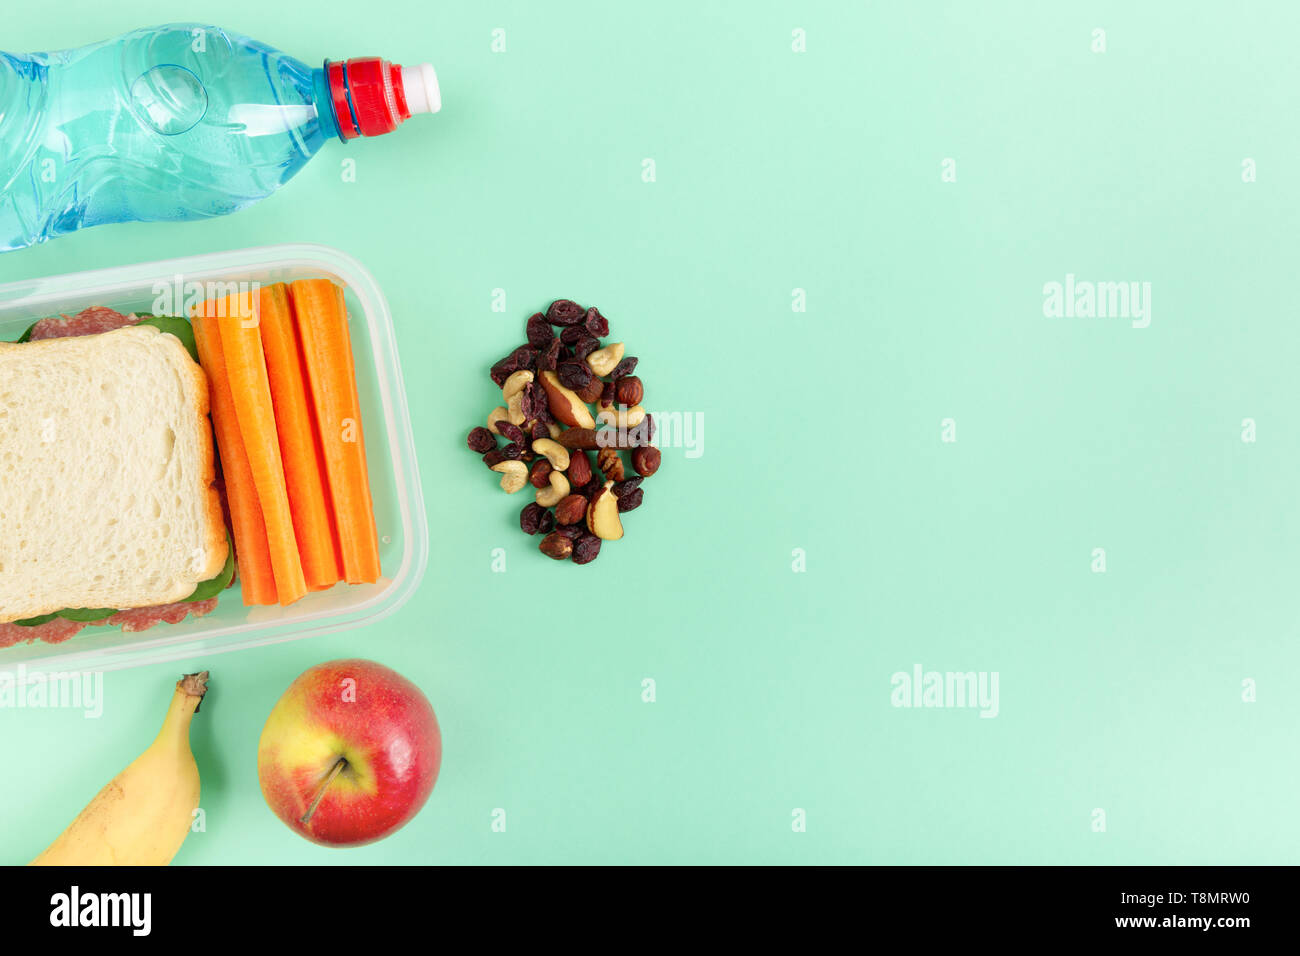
540, 475
579, 468
557, 546
571, 510
629, 391
646, 460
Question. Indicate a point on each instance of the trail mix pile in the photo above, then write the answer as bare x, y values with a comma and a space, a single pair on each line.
577, 462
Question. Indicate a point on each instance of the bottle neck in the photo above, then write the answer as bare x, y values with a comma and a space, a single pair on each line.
325, 108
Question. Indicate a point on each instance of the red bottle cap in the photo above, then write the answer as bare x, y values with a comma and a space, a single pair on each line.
372, 96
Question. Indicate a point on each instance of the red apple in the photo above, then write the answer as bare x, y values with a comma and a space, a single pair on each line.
349, 754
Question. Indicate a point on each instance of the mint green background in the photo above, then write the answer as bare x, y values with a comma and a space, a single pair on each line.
820, 171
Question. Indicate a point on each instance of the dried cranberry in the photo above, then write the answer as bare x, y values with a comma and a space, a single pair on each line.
596, 323
481, 440
522, 357
527, 402
511, 452
530, 519
586, 549
565, 312
534, 403
638, 435
494, 457
570, 531
571, 335
539, 332
511, 433
630, 502
622, 489
643, 434
546, 361
585, 346
625, 367
574, 375
593, 487
607, 394
539, 430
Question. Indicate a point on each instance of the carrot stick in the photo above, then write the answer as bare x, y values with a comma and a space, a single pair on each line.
300, 448
323, 328
251, 389
252, 556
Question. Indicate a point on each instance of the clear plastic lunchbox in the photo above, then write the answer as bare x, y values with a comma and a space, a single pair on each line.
390, 452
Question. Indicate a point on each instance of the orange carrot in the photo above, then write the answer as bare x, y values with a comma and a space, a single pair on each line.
252, 556
322, 323
236, 320
300, 449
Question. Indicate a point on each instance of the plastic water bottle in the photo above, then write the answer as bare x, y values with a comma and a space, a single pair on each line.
177, 122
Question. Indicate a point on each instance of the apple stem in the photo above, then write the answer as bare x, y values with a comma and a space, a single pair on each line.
320, 794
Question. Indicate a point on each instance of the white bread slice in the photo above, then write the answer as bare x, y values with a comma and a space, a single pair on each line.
106, 474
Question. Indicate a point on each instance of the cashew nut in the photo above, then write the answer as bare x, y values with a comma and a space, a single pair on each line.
555, 453
516, 382
621, 416
602, 361
496, 415
515, 408
557, 492
514, 475
555, 430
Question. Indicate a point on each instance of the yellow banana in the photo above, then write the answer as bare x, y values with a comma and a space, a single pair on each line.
144, 814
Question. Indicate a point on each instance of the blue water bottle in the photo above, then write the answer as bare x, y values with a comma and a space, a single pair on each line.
177, 122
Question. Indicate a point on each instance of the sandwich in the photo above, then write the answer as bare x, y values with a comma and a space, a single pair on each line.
115, 499
109, 510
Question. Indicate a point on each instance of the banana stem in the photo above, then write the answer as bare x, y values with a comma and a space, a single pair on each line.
320, 794
194, 685
175, 732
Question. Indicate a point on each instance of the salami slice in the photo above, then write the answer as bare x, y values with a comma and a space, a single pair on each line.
92, 321
51, 632
132, 622
143, 618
